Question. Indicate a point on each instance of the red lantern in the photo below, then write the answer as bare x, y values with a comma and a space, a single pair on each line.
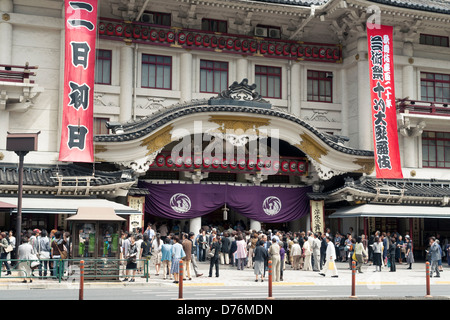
300, 51
224, 164
188, 162
271, 49
197, 162
206, 162
293, 166
308, 52
241, 164
237, 45
153, 35
245, 45
284, 166
145, 33
101, 28
181, 38
260, 164
128, 31
170, 36
286, 49
198, 40
160, 160
267, 165
253, 46
336, 55
215, 163
278, 49
301, 167
214, 42
322, 53
293, 50
162, 36
190, 39
230, 44
136, 32
119, 30
315, 52
222, 43
233, 164
206, 41
251, 164
264, 47
110, 29
329, 53
276, 166
169, 161
179, 162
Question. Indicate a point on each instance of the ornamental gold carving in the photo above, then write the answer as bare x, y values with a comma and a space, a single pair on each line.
238, 124
311, 147
367, 165
158, 140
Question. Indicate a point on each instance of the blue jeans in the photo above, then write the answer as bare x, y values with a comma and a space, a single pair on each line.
58, 266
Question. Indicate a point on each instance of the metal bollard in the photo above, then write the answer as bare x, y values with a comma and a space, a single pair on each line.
180, 281
353, 280
270, 280
427, 268
81, 293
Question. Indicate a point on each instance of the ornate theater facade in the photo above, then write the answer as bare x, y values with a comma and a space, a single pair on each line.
224, 111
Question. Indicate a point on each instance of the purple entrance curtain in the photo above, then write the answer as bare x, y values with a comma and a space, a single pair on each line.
264, 204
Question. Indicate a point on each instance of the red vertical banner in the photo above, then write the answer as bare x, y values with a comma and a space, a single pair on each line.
384, 115
79, 72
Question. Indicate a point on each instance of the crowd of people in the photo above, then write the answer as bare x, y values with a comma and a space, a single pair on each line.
164, 248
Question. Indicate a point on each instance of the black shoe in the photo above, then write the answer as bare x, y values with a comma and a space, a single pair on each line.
334, 276
132, 280
126, 279
322, 274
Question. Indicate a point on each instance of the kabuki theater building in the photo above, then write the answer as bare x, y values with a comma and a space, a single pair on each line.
287, 114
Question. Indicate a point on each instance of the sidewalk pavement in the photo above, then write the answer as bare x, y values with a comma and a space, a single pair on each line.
230, 276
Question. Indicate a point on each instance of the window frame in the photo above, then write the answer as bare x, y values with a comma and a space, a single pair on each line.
156, 63
97, 58
213, 69
211, 21
434, 37
319, 79
435, 148
160, 15
269, 74
433, 81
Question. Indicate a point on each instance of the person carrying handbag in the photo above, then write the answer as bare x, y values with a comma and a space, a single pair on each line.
58, 253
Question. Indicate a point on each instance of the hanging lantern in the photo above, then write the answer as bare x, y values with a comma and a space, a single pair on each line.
264, 47
206, 41
198, 40
101, 28
162, 36
224, 164
145, 33
153, 35
251, 164
293, 50
214, 42
242, 164
181, 38
170, 36
230, 44
292, 166
215, 163
197, 162
336, 54
284, 166
253, 46
308, 52
188, 162
222, 43
225, 212
136, 32
206, 162
329, 53
190, 39
119, 30
278, 49
128, 31
237, 45
245, 45
110, 29
169, 161
160, 160
315, 52
300, 51
301, 167
233, 164
179, 162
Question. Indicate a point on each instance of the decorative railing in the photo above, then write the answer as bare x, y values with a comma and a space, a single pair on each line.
22, 75
423, 107
137, 32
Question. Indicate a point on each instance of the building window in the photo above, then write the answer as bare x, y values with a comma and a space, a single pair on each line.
156, 72
159, 18
103, 61
433, 40
320, 84
100, 126
435, 87
214, 25
213, 76
268, 81
435, 149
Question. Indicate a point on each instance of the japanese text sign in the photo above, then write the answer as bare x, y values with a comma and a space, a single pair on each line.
79, 71
384, 117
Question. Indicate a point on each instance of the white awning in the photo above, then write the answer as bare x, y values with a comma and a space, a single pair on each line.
54, 205
392, 211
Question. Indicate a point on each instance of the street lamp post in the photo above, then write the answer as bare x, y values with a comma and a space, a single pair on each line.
21, 144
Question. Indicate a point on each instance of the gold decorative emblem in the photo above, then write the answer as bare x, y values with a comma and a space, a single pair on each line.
367, 165
158, 140
311, 147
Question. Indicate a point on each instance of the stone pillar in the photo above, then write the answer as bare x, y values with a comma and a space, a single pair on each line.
241, 69
255, 225
344, 103
6, 31
126, 83
186, 77
364, 104
195, 224
295, 89
408, 73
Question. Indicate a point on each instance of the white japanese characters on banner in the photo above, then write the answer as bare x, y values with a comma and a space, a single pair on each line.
79, 71
317, 212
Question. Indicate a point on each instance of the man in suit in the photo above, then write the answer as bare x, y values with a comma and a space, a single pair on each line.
323, 249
